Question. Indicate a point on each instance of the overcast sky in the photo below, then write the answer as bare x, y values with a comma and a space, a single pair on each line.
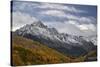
66, 18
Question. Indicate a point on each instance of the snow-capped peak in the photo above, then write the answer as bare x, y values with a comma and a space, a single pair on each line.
38, 23
39, 29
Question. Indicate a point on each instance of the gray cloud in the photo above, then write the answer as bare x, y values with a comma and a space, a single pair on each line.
20, 19
54, 15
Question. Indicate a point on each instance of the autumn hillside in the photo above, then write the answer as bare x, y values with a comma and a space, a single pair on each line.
26, 52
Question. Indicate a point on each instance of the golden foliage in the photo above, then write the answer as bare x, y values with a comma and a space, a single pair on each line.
32, 52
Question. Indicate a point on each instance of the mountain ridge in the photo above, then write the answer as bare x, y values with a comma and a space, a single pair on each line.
75, 45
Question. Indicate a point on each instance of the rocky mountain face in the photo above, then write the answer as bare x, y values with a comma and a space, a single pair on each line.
65, 43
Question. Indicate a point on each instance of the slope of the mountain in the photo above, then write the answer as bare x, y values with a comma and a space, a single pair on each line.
91, 56
65, 43
26, 52
93, 39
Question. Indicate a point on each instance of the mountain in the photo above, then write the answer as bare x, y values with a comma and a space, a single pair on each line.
26, 52
62, 42
93, 39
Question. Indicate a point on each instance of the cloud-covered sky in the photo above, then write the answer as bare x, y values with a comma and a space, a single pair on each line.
66, 18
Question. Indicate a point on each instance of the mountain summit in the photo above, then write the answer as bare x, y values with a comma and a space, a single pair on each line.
64, 43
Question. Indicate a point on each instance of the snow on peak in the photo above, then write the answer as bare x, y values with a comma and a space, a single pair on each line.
39, 29
38, 23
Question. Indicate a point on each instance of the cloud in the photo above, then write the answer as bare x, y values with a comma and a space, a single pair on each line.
48, 6
87, 19
45, 10
70, 26
17, 5
81, 19
54, 13
86, 27
61, 7
65, 28
19, 19
73, 22
65, 18
74, 28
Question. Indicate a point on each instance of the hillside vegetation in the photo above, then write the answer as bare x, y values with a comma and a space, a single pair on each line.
26, 52
29, 52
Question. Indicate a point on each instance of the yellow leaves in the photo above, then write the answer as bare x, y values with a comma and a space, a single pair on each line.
16, 60
28, 52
